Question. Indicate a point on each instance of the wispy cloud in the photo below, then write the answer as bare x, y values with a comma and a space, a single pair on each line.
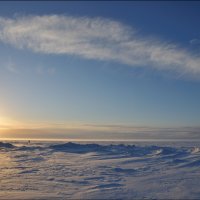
11, 67
76, 130
41, 70
113, 132
195, 41
96, 38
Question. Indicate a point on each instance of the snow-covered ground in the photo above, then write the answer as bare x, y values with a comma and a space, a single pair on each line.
42, 170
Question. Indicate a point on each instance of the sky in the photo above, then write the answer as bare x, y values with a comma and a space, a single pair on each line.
99, 70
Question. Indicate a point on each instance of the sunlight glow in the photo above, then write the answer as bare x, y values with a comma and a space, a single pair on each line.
7, 123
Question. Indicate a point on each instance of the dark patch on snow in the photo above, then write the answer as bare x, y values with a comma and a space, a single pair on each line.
126, 150
195, 163
76, 148
123, 170
29, 171
6, 145
108, 186
29, 148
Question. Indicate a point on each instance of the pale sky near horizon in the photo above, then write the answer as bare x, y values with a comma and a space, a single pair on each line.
99, 69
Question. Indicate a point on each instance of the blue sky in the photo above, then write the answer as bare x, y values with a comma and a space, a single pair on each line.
98, 67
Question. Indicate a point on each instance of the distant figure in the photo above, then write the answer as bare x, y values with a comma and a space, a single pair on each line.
29, 141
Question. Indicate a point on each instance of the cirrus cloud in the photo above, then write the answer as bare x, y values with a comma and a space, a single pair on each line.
96, 38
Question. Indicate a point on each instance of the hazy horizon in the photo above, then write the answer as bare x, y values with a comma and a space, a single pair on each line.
99, 70
99, 100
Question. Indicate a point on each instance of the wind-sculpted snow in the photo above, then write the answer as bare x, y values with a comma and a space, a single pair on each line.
6, 145
99, 171
114, 149
77, 148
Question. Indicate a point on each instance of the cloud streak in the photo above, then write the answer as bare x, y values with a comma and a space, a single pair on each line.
11, 128
11, 67
96, 38
114, 133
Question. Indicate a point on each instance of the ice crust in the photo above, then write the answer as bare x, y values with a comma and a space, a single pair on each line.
99, 171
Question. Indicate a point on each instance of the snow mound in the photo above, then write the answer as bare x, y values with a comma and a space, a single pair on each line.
99, 170
195, 150
76, 148
6, 145
114, 149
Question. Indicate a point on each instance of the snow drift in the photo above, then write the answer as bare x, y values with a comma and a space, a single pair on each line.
99, 170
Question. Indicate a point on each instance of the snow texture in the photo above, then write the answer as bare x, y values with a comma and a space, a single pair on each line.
44, 170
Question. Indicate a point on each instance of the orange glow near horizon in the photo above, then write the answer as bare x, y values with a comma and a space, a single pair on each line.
11, 129
8, 123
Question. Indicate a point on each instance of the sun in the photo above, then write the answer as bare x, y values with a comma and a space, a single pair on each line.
8, 123
4, 123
